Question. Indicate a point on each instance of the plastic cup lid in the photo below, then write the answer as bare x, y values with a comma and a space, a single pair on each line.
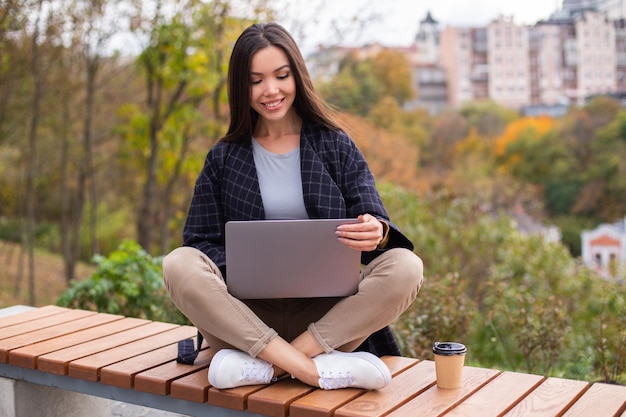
449, 348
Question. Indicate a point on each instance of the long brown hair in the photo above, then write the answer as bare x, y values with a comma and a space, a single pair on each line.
308, 104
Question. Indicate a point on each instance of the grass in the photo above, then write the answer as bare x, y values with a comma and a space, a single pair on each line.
49, 276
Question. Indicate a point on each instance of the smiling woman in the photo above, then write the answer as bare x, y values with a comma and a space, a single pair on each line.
285, 157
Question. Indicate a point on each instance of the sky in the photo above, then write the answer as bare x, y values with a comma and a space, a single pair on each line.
398, 20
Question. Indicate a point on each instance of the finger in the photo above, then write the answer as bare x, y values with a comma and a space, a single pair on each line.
361, 245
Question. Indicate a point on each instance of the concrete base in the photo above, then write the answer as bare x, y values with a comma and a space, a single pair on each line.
25, 399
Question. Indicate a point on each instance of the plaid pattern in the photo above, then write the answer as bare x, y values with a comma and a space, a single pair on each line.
336, 183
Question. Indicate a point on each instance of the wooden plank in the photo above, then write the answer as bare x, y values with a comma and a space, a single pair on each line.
42, 322
30, 315
158, 380
122, 374
58, 362
600, 400
103, 325
402, 388
324, 403
193, 387
274, 399
498, 396
89, 367
234, 398
41, 329
551, 398
436, 402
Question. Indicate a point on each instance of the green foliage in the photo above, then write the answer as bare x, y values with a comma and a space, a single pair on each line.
517, 302
128, 282
443, 312
354, 89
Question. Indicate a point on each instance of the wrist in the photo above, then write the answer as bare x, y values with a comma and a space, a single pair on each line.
385, 239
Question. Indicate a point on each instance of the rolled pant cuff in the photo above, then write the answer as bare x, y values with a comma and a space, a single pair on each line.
318, 338
262, 343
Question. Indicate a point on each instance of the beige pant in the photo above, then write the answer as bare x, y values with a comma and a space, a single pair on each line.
389, 284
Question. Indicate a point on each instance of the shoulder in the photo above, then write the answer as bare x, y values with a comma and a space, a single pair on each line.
222, 151
323, 138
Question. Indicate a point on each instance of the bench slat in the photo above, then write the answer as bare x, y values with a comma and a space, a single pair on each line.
552, 397
89, 367
402, 388
43, 329
436, 402
43, 323
600, 400
274, 400
58, 362
234, 398
324, 403
101, 325
194, 387
122, 374
321, 403
498, 396
30, 315
158, 379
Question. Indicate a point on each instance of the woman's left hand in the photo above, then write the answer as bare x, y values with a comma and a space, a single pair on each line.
364, 235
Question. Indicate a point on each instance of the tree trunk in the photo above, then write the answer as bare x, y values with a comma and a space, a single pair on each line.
66, 208
32, 162
89, 170
169, 192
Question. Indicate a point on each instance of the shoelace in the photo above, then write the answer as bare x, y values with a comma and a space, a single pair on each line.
330, 381
256, 371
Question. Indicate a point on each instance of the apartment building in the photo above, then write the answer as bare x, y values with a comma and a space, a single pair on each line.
578, 53
553, 62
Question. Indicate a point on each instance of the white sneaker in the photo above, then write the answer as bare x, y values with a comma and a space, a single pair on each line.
231, 368
351, 369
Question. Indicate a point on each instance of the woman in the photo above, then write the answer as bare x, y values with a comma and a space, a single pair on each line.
284, 157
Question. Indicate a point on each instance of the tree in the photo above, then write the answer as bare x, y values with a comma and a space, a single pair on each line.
31, 167
354, 89
183, 66
525, 149
393, 71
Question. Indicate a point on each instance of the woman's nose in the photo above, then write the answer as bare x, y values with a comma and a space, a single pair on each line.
271, 89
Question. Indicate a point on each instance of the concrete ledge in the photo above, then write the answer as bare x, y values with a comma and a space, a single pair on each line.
25, 399
14, 310
97, 389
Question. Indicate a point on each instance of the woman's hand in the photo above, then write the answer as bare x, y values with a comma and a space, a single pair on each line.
364, 235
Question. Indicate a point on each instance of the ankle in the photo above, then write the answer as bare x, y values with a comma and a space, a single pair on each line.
308, 374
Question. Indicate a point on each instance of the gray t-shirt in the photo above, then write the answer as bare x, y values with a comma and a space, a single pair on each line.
280, 183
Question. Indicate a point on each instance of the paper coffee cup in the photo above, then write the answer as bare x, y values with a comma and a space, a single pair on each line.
449, 361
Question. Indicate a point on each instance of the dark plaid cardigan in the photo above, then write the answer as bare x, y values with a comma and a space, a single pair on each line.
336, 182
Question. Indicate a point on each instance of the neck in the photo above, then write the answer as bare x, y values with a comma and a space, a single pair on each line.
275, 130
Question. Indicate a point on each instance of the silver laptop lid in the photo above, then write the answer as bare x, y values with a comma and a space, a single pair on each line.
290, 259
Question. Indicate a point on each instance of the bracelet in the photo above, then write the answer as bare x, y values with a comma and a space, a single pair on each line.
383, 242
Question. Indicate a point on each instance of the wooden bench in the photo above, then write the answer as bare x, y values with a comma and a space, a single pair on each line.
133, 360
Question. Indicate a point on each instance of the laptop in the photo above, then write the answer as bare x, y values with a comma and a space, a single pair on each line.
289, 259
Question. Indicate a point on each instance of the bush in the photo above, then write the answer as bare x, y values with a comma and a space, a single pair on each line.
443, 313
129, 282
519, 303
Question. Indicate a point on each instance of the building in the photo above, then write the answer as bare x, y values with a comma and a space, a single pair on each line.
429, 78
604, 249
576, 54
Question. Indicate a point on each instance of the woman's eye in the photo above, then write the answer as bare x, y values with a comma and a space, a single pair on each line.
283, 76
256, 81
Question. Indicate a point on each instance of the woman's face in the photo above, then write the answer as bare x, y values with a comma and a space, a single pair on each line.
273, 87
